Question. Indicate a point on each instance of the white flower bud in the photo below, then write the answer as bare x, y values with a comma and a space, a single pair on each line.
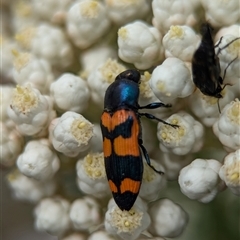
216, 12
52, 216
230, 172
37, 71
168, 219
85, 213
51, 10
173, 164
93, 57
171, 80
29, 189
75, 236
229, 30
22, 15
48, 42
167, 13
6, 93
30, 110
92, 176
70, 93
227, 127
100, 235
71, 133
181, 42
11, 145
139, 44
188, 137
7, 57
102, 77
146, 94
206, 107
200, 180
38, 160
122, 12
87, 21
127, 224
152, 182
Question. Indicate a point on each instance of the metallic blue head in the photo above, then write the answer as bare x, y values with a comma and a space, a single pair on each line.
123, 92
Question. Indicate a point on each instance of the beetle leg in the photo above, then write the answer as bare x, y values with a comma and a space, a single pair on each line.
150, 116
147, 158
155, 105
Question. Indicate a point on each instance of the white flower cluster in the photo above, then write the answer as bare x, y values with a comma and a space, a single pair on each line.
58, 59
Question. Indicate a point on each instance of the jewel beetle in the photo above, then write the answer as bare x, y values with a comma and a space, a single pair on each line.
122, 140
205, 64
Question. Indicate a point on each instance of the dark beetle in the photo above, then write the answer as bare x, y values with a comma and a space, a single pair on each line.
205, 64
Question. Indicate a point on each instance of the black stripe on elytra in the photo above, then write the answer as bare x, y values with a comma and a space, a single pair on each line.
123, 129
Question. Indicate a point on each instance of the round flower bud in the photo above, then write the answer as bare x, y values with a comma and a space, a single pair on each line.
51, 10
37, 71
85, 213
167, 13
152, 182
28, 189
168, 219
200, 180
70, 93
180, 42
71, 134
38, 160
127, 224
11, 145
52, 216
230, 172
31, 111
227, 127
206, 107
122, 12
87, 21
99, 79
216, 12
100, 235
139, 44
186, 138
48, 42
91, 175
171, 80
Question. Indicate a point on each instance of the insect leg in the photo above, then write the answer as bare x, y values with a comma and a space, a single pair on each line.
218, 42
155, 105
150, 116
220, 49
148, 158
218, 105
225, 70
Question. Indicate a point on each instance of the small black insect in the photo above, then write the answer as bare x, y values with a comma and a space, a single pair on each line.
205, 64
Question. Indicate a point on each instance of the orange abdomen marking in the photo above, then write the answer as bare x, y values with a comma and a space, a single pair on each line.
126, 146
106, 120
120, 117
130, 185
107, 147
112, 186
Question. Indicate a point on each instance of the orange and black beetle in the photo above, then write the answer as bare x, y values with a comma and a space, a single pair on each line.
122, 141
